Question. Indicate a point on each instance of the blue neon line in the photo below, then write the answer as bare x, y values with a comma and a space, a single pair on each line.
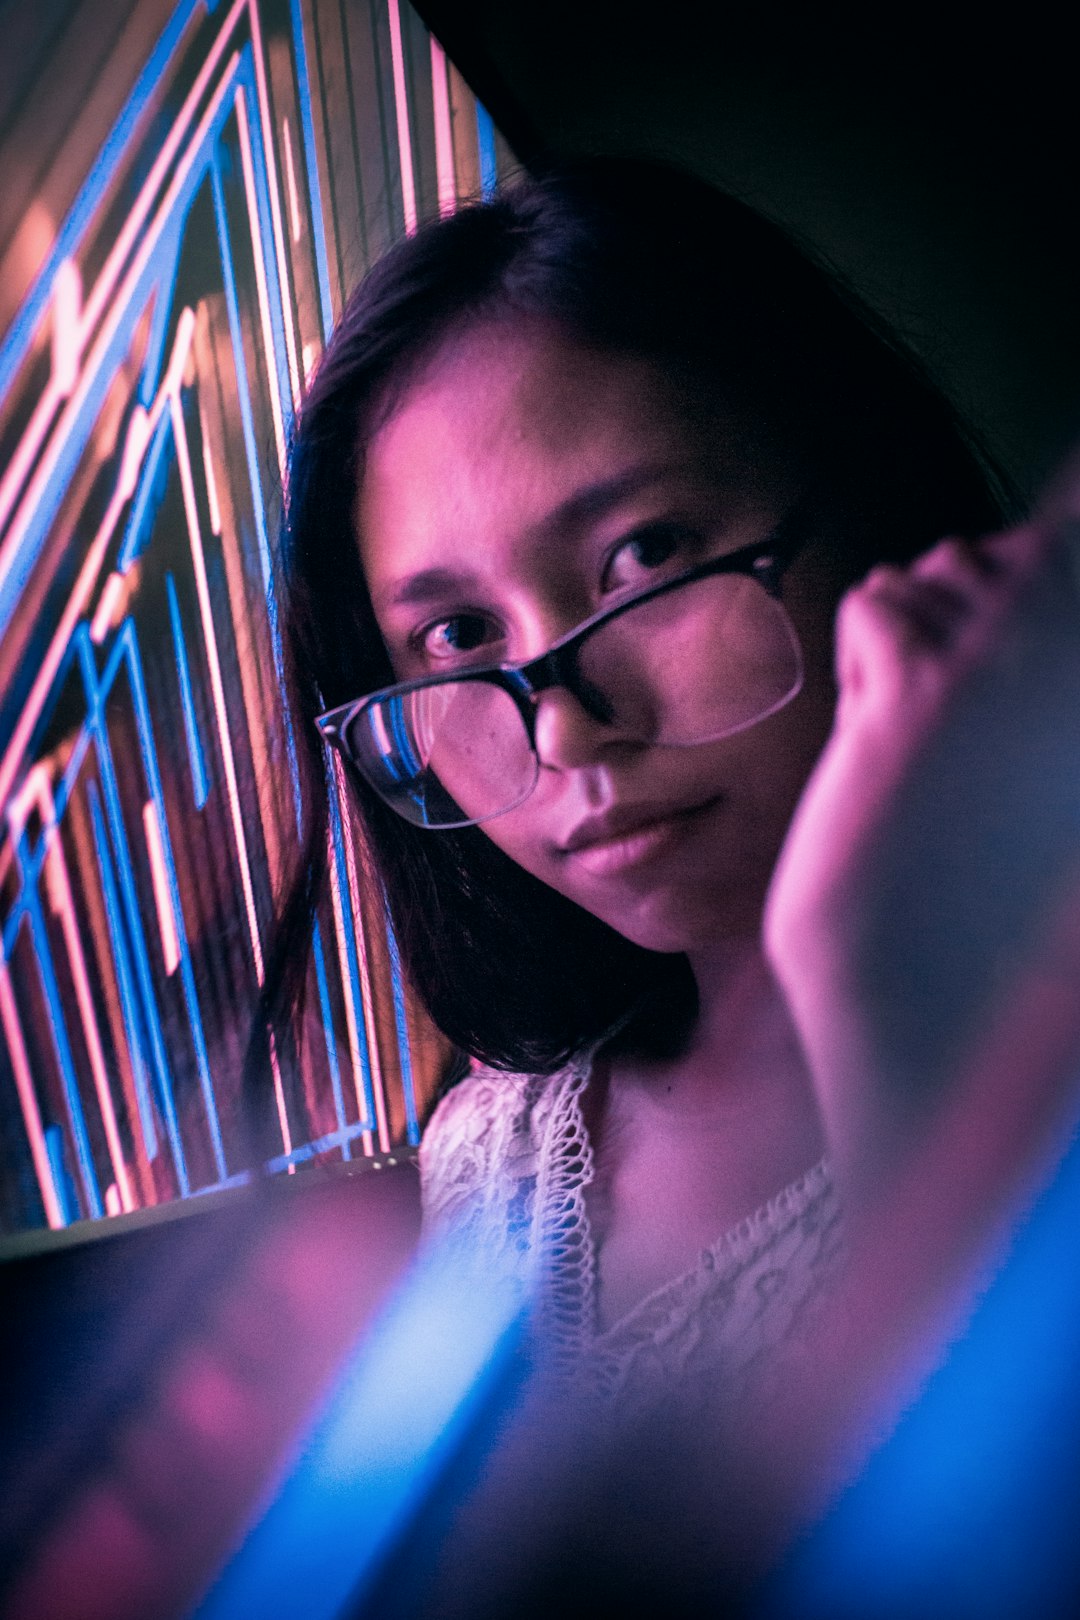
402, 1027
86, 417
187, 972
20, 335
311, 166
137, 532
54, 1147
62, 1048
348, 928
323, 1144
328, 1028
485, 136
169, 243
199, 782
276, 292
232, 305
96, 693
128, 1000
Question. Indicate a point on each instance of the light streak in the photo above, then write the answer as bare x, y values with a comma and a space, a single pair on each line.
401, 108
444, 132
170, 943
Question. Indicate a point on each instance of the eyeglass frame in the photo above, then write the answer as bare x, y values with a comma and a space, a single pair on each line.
765, 560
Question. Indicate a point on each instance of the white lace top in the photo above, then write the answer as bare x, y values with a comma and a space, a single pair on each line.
504, 1165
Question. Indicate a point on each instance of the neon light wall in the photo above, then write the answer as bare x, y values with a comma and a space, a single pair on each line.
192, 189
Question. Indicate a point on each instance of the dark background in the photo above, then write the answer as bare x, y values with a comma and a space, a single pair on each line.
930, 152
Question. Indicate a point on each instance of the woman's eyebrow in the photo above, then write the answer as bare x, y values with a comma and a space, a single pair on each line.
596, 499
584, 506
426, 585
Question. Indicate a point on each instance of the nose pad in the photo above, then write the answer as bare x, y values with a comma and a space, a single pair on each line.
567, 735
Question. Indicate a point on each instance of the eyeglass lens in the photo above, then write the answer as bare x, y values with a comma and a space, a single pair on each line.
693, 665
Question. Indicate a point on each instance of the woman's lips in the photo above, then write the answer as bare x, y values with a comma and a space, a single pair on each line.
629, 840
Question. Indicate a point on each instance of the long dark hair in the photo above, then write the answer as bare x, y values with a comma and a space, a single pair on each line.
628, 257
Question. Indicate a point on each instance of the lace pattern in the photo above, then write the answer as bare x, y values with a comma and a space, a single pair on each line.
505, 1163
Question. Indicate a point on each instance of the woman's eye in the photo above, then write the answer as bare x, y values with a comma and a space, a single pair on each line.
462, 633
660, 549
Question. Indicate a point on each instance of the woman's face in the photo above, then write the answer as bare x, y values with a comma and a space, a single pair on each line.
509, 496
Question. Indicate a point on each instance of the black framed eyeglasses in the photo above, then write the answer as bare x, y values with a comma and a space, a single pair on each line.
688, 660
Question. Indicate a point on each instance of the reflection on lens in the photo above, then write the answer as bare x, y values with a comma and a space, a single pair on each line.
445, 755
696, 663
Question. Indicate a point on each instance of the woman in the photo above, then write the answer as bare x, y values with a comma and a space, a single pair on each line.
613, 386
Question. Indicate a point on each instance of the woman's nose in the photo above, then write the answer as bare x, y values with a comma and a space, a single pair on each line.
567, 735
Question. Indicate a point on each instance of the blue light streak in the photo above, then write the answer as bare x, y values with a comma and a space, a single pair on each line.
485, 136
328, 1031
199, 781
410, 1390
348, 929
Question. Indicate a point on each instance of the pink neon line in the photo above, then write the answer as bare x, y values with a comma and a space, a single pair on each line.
408, 180
24, 1085
217, 684
211, 480
110, 272
290, 179
279, 1097
111, 269
63, 376
67, 337
260, 283
350, 1008
378, 1081
112, 596
46, 467
36, 793
444, 131
275, 205
170, 943
64, 906
140, 430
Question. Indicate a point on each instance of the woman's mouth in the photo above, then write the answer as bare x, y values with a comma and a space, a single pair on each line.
625, 839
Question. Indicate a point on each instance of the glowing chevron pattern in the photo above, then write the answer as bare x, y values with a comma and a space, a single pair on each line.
168, 317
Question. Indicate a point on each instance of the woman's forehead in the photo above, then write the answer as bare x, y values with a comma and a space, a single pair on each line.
517, 428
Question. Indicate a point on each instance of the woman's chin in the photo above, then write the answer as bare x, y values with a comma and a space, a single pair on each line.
691, 923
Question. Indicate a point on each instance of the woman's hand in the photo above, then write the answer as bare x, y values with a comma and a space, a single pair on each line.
933, 866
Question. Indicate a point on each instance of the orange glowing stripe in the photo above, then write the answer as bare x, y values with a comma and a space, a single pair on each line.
444, 131
170, 941
401, 106
24, 1085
